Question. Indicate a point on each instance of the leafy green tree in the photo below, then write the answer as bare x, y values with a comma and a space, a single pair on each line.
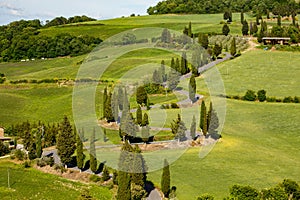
203, 119
250, 95
93, 157
128, 38
165, 179
291, 188
245, 28
139, 115
79, 150
243, 192
233, 47
227, 15
66, 141
261, 95
225, 29
277, 193
141, 95
193, 128
137, 192
192, 88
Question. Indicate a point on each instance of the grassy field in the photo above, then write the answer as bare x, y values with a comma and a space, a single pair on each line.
107, 28
259, 148
33, 184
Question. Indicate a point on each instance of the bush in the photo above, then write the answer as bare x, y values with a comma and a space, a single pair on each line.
271, 99
174, 105
261, 95
94, 178
60, 168
288, 99
26, 164
206, 197
3, 149
296, 100
41, 163
19, 154
250, 96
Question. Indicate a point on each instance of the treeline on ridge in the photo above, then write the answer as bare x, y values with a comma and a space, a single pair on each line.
284, 8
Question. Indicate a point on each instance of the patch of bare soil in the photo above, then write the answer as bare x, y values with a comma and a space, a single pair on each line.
111, 125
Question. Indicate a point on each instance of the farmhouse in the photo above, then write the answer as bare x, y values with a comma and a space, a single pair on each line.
276, 40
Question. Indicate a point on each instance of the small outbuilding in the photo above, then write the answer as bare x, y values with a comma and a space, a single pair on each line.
276, 40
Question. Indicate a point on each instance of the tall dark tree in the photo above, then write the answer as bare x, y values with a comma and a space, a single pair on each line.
209, 114
261, 95
233, 47
93, 157
166, 179
279, 20
166, 36
157, 77
190, 30
79, 150
203, 119
120, 97
162, 71
225, 29
255, 29
193, 128
104, 102
108, 109
139, 168
173, 79
184, 64
115, 106
192, 88
139, 115
242, 17
145, 133
217, 50
145, 121
203, 40
105, 174
39, 149
245, 28
177, 65
141, 95
66, 141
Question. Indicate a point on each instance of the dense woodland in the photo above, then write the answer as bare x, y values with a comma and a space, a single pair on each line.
22, 40
282, 7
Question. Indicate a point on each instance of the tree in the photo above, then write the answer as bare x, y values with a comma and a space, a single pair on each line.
139, 168
166, 36
243, 192
104, 102
32, 151
225, 29
3, 149
190, 30
250, 95
180, 135
145, 121
255, 29
206, 197
141, 95
173, 79
39, 149
213, 123
245, 28
217, 50
105, 174
192, 88
145, 133
261, 95
233, 47
162, 71
128, 38
242, 17
115, 106
203, 119
184, 65
139, 115
165, 179
227, 15
120, 97
79, 150
279, 20
66, 141
108, 109
203, 40
193, 128
93, 158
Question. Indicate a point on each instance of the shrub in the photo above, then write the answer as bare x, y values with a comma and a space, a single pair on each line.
296, 100
94, 178
41, 162
261, 95
271, 99
288, 99
26, 164
3, 149
206, 197
250, 96
19, 154
174, 105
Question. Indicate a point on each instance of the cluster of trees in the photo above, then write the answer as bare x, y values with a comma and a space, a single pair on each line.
287, 189
4, 149
219, 6
21, 40
209, 121
62, 20
261, 96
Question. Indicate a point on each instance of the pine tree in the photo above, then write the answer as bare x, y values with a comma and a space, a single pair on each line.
279, 20
177, 66
104, 102
214, 125
39, 149
183, 64
79, 150
209, 114
108, 109
145, 121
203, 118
139, 115
245, 28
225, 29
66, 141
115, 106
193, 128
93, 158
139, 168
32, 151
157, 77
165, 179
190, 30
145, 133
203, 40
173, 79
180, 135
120, 97
233, 47
163, 71
141, 95
192, 88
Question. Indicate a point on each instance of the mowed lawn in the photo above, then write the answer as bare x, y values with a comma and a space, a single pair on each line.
33, 184
104, 29
260, 147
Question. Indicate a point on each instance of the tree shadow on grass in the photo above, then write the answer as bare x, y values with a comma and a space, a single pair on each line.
100, 167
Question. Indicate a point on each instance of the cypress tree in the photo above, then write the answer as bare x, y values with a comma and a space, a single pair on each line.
105, 174
214, 124
79, 150
203, 118
115, 107
145, 133
193, 128
163, 71
66, 141
108, 109
139, 168
93, 158
190, 30
32, 151
225, 29
104, 102
39, 149
192, 88
279, 20
233, 47
173, 63
139, 115
165, 179
157, 77
183, 64
180, 135
251, 28
209, 114
203, 40
245, 28
145, 121
173, 79
120, 97
141, 95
